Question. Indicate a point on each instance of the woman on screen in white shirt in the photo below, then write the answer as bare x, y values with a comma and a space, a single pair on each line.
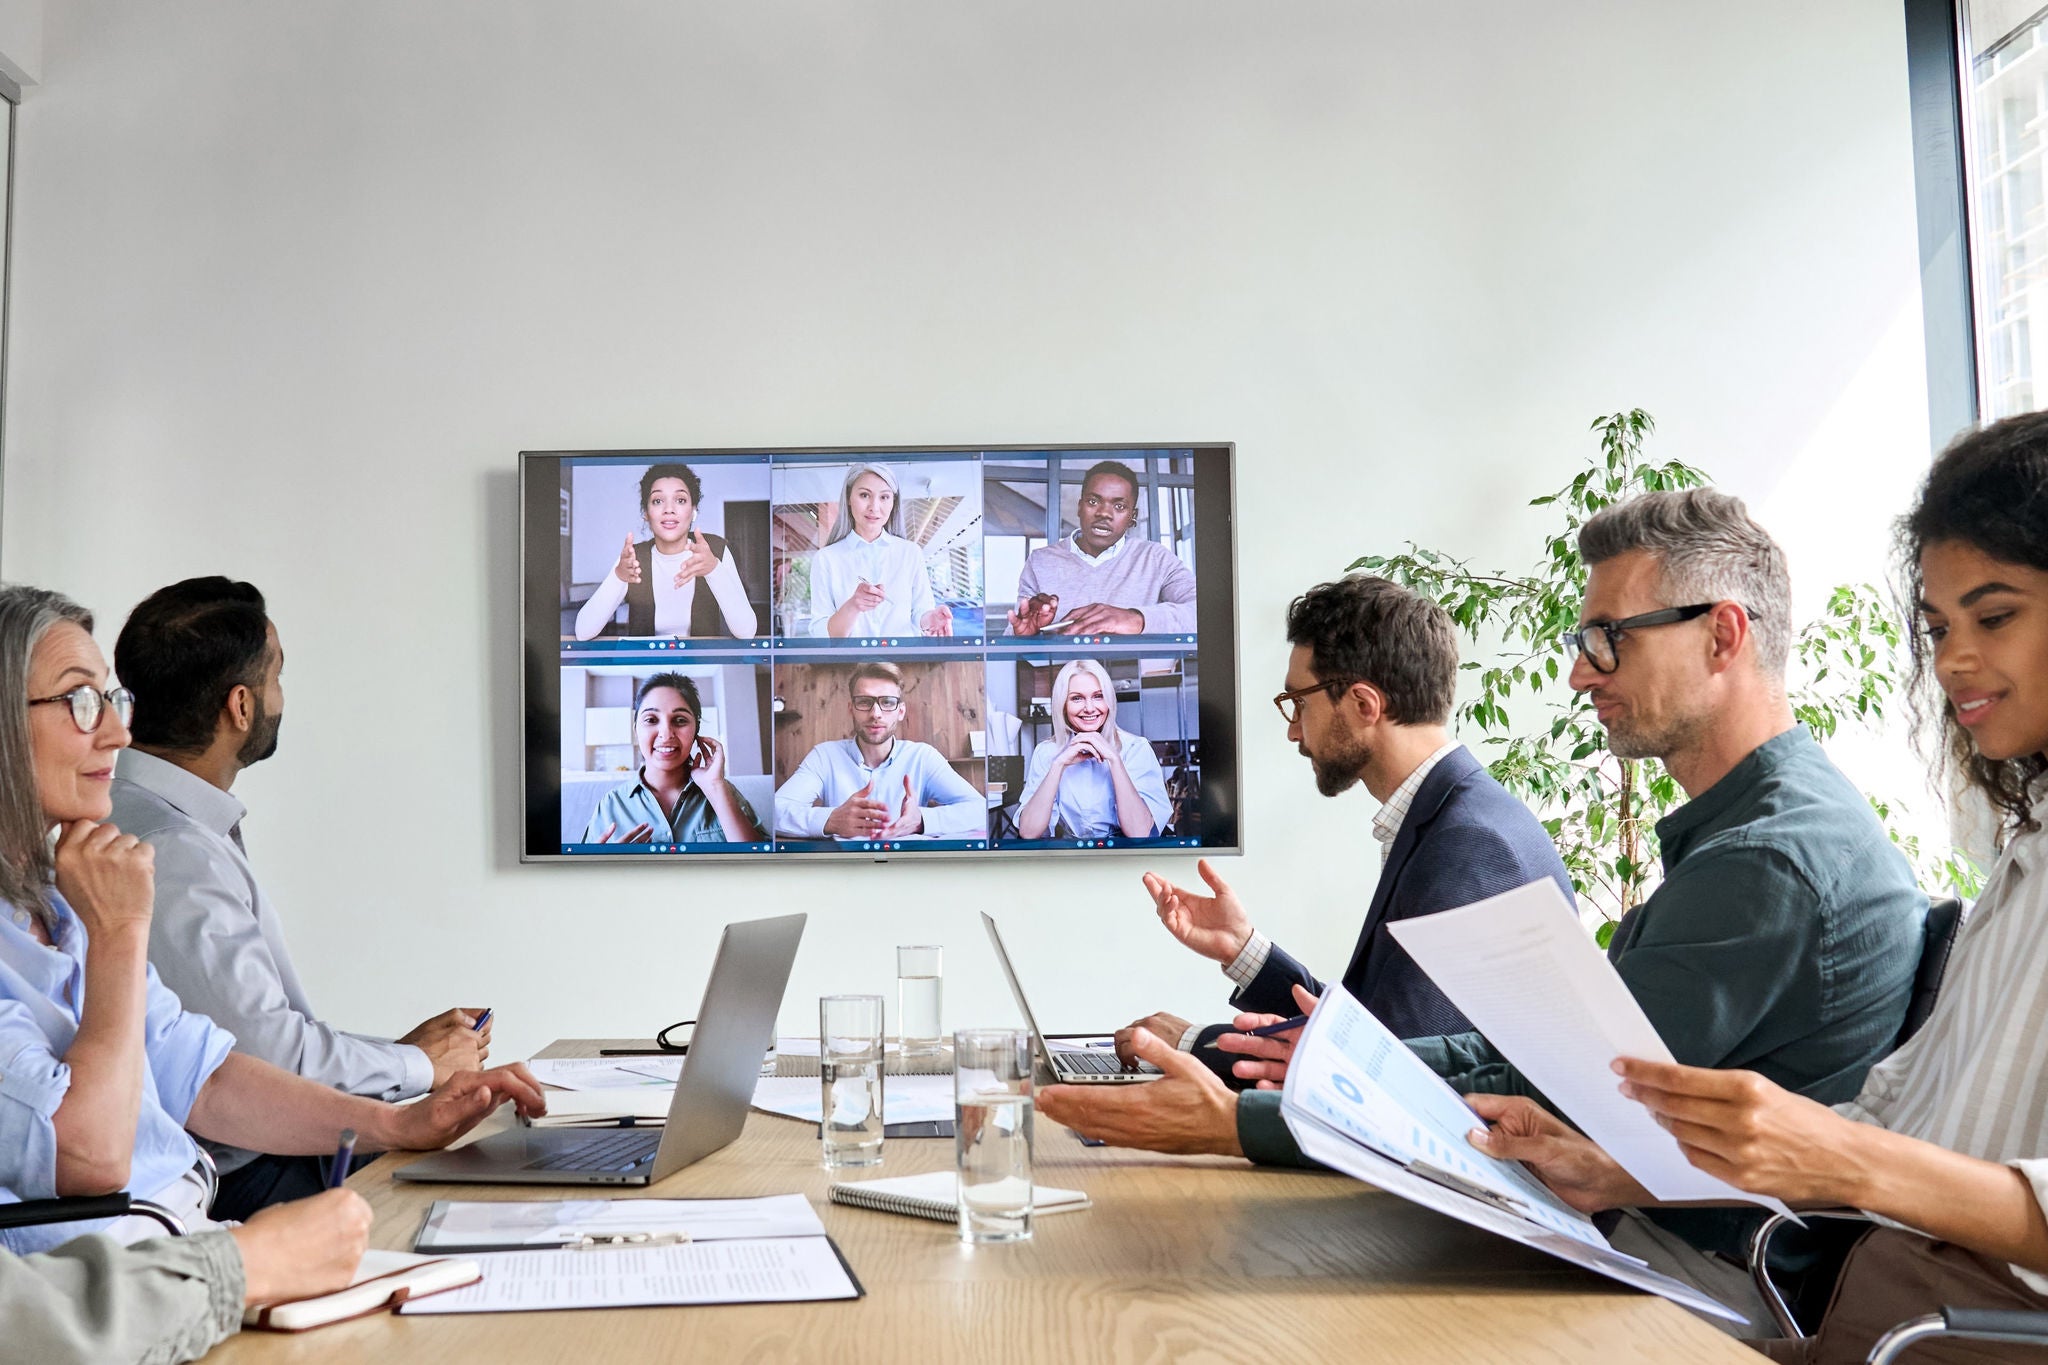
869, 580
1091, 780
682, 582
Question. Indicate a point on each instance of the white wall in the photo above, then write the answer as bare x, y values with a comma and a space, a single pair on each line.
295, 282
21, 40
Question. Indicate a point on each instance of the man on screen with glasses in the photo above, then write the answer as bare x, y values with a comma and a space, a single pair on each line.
876, 785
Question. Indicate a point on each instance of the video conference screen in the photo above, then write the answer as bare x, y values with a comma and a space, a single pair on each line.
879, 653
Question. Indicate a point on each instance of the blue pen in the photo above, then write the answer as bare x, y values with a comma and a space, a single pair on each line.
1270, 1028
344, 1155
481, 1020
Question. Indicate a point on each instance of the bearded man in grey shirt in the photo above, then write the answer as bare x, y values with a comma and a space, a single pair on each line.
205, 665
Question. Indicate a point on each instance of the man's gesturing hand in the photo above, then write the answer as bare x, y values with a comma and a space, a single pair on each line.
1187, 1111
859, 816
1214, 926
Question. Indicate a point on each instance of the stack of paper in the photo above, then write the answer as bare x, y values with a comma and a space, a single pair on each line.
466, 1226
905, 1099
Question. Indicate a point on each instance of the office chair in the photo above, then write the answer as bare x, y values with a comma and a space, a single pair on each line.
82, 1208
1944, 917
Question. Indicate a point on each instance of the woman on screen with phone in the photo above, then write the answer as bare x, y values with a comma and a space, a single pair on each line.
682, 582
1091, 780
679, 795
869, 580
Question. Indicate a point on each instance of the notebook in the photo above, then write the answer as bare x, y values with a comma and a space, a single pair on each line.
384, 1280
936, 1195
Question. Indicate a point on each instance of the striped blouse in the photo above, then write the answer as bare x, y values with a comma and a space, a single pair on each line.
1974, 1079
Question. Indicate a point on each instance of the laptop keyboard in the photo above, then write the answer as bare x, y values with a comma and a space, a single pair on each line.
609, 1152
1102, 1062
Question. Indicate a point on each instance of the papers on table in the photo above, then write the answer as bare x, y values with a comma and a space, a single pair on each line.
1354, 1103
1565, 1033
749, 1270
605, 1108
461, 1225
1079, 1044
607, 1073
905, 1099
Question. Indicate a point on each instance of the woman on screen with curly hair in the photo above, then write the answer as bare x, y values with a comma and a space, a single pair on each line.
682, 581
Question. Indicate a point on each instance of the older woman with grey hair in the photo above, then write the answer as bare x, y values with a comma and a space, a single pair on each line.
869, 580
108, 1071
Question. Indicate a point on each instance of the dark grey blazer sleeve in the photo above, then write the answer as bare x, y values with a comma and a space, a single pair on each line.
1269, 991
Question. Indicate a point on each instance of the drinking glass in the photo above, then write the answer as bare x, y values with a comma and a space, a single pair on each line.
850, 1074
992, 1133
918, 985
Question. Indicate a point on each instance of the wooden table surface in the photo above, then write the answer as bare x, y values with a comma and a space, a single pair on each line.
1180, 1259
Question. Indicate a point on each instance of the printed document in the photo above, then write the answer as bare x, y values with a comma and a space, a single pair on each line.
1361, 1103
905, 1099
777, 1270
467, 1225
1520, 967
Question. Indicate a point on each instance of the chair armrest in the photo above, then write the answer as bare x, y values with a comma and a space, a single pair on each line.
80, 1208
1980, 1324
1759, 1264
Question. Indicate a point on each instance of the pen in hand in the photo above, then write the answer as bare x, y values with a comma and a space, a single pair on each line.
1272, 1030
344, 1156
481, 1020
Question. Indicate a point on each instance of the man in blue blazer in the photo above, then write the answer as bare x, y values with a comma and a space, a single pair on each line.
1368, 699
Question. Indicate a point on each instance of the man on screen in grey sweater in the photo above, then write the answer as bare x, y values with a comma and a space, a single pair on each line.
1102, 580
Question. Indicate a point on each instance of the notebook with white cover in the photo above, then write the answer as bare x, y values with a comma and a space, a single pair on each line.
384, 1280
936, 1195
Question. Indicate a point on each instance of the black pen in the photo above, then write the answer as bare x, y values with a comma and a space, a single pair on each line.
1285, 1026
344, 1155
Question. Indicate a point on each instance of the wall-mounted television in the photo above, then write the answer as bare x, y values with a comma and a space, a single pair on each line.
879, 653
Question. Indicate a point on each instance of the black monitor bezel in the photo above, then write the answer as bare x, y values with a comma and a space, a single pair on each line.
540, 662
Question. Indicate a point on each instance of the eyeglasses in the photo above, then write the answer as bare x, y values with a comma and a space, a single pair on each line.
1289, 703
882, 704
1599, 641
89, 705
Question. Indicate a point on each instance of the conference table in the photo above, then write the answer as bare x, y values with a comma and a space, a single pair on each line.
1179, 1259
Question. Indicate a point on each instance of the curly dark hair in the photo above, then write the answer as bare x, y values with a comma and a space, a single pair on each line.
671, 470
1366, 629
1988, 490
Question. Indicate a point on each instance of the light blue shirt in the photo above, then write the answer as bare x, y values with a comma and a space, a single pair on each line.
889, 562
1084, 807
835, 770
42, 995
633, 803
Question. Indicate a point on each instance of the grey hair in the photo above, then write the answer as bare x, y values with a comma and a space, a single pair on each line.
26, 868
1710, 550
843, 528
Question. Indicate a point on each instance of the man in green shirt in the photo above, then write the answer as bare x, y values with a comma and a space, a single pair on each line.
1786, 933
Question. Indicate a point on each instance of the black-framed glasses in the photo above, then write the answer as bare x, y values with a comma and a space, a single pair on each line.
1599, 641
883, 704
1289, 703
89, 705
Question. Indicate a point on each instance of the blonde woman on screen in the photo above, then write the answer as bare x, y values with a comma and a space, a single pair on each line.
1091, 780
869, 580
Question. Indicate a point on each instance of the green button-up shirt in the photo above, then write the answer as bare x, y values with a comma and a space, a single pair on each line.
1783, 940
634, 804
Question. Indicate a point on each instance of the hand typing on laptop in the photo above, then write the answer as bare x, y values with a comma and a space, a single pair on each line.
457, 1105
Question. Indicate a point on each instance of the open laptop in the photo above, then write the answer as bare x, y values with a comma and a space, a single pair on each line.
735, 1024
1085, 1066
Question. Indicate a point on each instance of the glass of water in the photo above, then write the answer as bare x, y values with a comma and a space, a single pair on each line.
850, 1074
918, 983
992, 1133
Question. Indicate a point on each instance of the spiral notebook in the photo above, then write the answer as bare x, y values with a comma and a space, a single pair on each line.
936, 1195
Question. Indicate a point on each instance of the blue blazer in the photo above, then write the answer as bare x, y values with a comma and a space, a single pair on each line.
1465, 839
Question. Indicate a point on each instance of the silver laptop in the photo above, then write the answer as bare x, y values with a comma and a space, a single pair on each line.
735, 1024
1083, 1066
